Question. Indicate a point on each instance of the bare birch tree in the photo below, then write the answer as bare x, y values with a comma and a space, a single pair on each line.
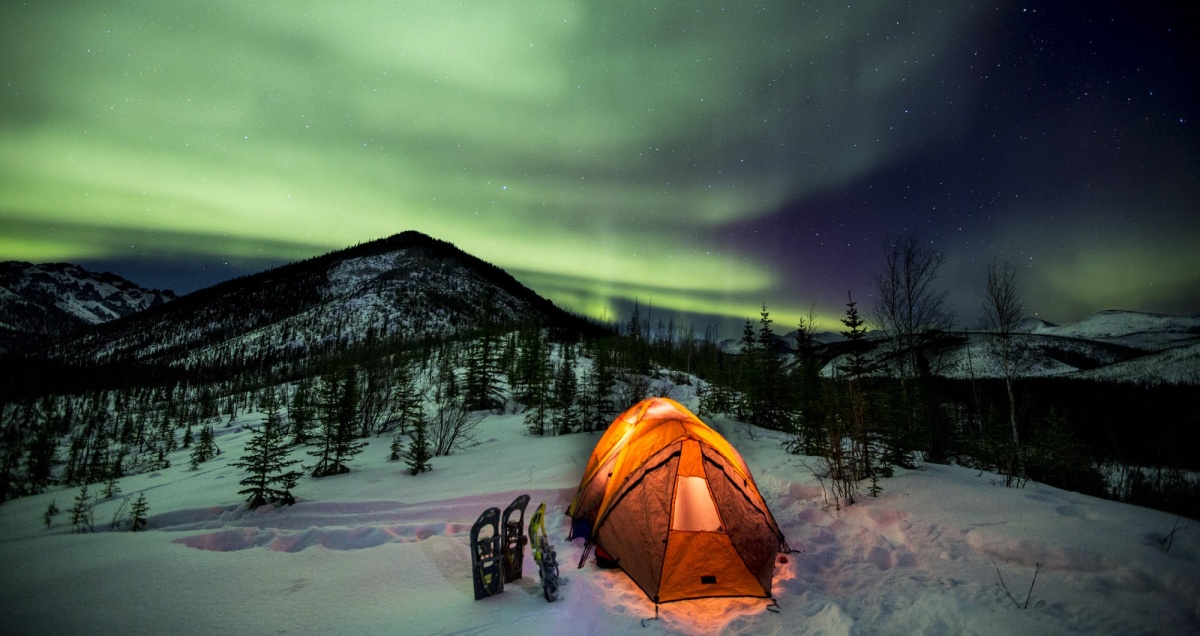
1002, 307
909, 309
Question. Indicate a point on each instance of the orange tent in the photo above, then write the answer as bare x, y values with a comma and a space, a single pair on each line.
674, 504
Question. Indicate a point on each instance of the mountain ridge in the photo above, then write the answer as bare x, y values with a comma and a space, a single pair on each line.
413, 286
409, 286
1112, 345
49, 300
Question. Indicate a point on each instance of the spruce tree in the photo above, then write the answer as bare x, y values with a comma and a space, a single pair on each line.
41, 460
604, 382
50, 512
856, 365
419, 453
409, 402
530, 364
483, 390
538, 397
595, 403
162, 462
266, 459
482, 381
137, 516
395, 449
96, 456
565, 393
807, 390
337, 402
111, 487
81, 512
636, 359
300, 413
850, 426
770, 408
205, 449
748, 369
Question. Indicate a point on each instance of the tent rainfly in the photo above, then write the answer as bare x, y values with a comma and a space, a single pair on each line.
673, 503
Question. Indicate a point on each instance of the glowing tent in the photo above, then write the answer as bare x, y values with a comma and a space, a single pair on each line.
674, 505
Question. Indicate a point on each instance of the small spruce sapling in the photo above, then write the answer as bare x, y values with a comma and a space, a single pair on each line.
81, 512
205, 449
111, 487
875, 488
51, 511
419, 452
137, 516
396, 449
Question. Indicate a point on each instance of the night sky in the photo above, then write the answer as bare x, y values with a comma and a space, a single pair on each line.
701, 157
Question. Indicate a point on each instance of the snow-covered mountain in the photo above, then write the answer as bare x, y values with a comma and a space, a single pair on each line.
408, 285
1122, 346
1140, 330
52, 299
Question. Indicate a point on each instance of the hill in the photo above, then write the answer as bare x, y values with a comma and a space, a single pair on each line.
1121, 346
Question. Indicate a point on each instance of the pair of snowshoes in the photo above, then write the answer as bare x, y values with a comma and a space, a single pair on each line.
498, 547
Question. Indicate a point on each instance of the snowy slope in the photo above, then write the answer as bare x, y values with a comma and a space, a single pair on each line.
1121, 346
1176, 365
408, 285
1148, 331
380, 551
56, 298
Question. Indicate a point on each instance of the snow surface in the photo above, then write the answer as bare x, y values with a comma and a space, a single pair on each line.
380, 551
1132, 328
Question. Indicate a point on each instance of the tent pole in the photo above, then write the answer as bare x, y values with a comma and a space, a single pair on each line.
651, 619
587, 549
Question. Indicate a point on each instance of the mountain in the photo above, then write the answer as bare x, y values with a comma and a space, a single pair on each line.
54, 299
407, 286
1140, 330
1121, 346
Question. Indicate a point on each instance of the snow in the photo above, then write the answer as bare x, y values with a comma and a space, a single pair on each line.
380, 551
1143, 330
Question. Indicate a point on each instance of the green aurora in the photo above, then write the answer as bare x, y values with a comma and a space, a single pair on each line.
600, 151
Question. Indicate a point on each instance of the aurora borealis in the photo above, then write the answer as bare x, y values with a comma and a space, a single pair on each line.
701, 157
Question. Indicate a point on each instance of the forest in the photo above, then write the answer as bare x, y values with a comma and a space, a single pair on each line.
857, 407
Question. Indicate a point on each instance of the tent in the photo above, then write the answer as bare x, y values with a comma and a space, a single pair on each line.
673, 503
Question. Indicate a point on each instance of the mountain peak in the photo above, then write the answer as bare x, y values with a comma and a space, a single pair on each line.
408, 286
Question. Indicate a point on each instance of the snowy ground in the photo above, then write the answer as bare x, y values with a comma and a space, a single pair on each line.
379, 551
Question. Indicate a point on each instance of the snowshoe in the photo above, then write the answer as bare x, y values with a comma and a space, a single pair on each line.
537, 529
486, 557
544, 554
514, 538
548, 570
